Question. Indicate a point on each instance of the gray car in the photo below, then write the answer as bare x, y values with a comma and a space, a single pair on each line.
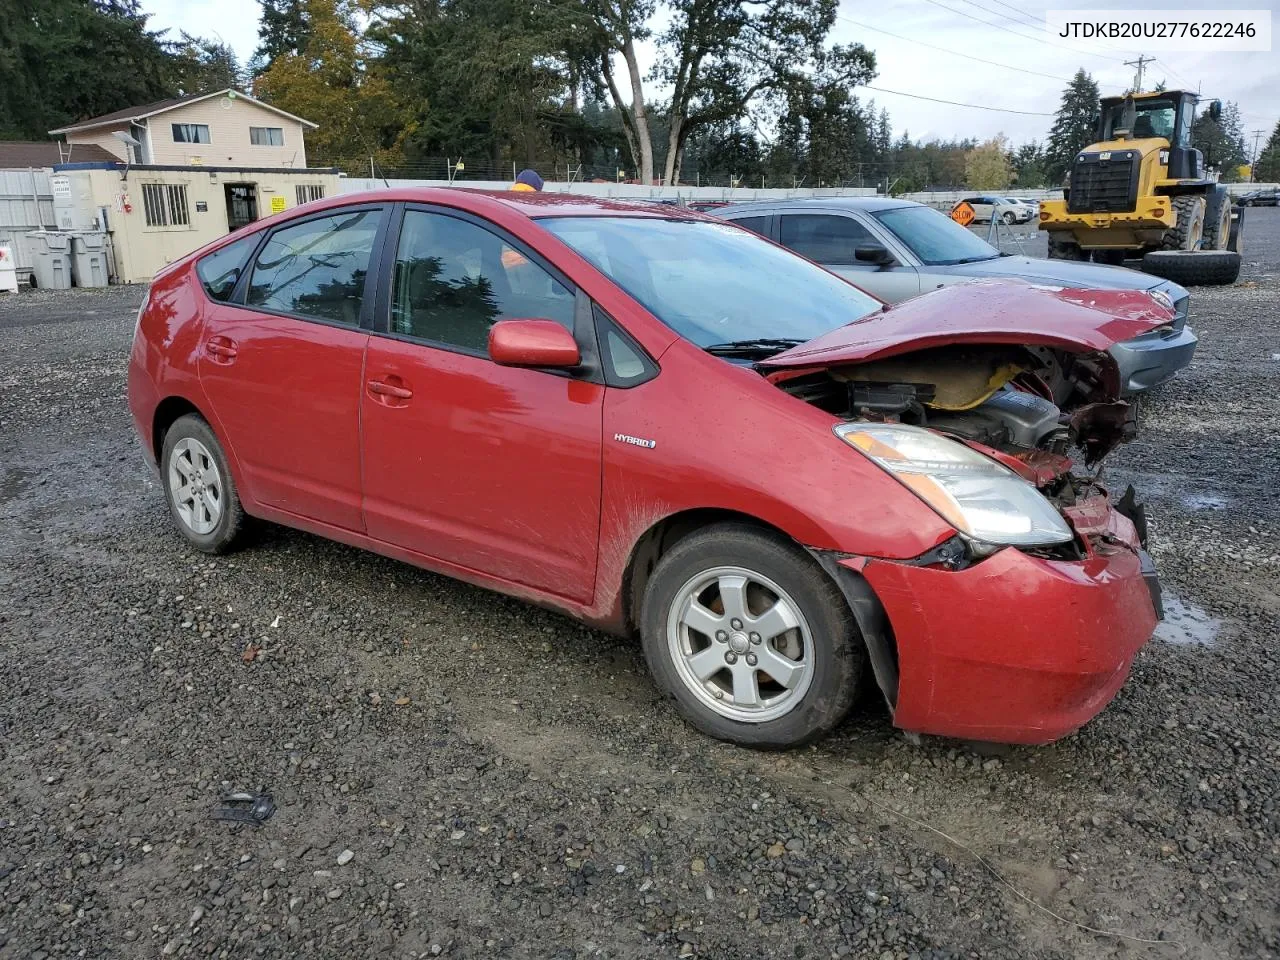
897, 249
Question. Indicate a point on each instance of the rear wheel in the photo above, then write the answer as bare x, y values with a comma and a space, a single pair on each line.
199, 487
1188, 232
751, 638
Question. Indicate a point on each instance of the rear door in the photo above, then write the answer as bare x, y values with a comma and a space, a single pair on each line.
490, 468
281, 362
831, 240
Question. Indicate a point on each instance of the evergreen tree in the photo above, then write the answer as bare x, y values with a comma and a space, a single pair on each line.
1221, 141
198, 65
283, 30
1266, 168
1073, 125
67, 60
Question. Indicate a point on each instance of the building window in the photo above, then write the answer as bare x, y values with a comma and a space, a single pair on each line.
266, 136
191, 133
306, 192
165, 204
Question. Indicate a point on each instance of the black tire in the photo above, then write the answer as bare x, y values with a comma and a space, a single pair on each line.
1188, 232
1217, 220
838, 650
1009, 217
1235, 241
1062, 247
231, 523
1194, 268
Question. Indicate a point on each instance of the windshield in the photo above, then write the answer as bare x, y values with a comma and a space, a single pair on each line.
1152, 118
714, 283
934, 237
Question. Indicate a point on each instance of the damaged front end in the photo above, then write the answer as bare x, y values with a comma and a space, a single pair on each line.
998, 402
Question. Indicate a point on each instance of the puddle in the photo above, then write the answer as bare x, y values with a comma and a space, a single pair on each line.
1204, 501
1185, 624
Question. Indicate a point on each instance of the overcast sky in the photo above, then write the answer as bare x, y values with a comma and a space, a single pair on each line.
905, 65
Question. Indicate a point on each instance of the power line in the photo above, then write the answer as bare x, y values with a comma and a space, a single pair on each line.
956, 53
1023, 36
955, 103
1039, 24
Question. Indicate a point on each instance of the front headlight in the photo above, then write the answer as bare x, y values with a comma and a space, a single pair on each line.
1161, 297
982, 499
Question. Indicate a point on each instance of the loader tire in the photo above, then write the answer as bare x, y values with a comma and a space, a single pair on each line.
1217, 220
1194, 268
1188, 232
1235, 240
1065, 248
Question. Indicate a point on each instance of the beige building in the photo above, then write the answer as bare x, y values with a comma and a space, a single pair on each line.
166, 178
224, 128
155, 215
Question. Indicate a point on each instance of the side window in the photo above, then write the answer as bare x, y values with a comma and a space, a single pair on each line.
758, 225
454, 280
825, 238
317, 268
624, 363
220, 270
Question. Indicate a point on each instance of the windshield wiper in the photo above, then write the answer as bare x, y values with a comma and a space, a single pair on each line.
974, 259
760, 346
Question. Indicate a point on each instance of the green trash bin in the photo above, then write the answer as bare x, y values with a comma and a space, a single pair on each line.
51, 259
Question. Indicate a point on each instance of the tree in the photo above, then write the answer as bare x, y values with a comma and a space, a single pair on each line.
1029, 165
333, 80
283, 29
1266, 169
987, 167
1073, 125
198, 65
68, 60
720, 59
1222, 140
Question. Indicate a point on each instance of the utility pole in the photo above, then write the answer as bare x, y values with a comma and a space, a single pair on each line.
1257, 134
1140, 63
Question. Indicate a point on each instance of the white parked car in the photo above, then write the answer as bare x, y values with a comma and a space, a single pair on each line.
1007, 211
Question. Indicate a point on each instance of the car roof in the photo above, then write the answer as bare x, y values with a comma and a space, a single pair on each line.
528, 202
867, 204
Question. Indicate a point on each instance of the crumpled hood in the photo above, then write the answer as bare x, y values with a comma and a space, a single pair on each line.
987, 312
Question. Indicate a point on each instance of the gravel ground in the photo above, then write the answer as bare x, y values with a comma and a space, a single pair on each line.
463, 775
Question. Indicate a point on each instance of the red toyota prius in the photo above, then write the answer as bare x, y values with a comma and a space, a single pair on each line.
663, 424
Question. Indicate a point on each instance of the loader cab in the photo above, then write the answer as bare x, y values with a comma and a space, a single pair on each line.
1167, 115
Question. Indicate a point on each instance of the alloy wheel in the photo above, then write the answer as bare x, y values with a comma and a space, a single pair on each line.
741, 644
195, 484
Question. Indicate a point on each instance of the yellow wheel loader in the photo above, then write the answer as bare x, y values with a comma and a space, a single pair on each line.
1142, 192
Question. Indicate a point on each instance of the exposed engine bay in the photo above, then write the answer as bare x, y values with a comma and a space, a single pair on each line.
1029, 408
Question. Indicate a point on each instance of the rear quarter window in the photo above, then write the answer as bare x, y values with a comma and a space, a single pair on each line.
220, 270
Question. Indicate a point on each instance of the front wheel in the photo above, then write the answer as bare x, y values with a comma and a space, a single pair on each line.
751, 638
1009, 217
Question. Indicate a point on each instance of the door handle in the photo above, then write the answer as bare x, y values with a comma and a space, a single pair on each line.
221, 349
391, 391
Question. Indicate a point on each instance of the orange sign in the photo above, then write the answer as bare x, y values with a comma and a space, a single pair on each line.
962, 213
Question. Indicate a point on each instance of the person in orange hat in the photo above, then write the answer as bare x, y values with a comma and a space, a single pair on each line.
528, 180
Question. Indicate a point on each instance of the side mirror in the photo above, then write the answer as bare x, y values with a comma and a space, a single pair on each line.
532, 343
1215, 110
877, 255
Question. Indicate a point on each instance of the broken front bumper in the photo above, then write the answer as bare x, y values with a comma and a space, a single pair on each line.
1015, 648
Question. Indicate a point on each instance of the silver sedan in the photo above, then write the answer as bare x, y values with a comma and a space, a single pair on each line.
898, 249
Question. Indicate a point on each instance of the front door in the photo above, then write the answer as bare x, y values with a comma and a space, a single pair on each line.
831, 239
242, 204
283, 368
489, 468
